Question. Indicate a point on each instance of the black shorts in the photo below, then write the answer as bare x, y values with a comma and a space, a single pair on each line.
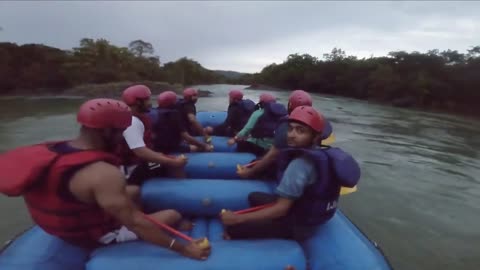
284, 227
145, 171
248, 147
274, 228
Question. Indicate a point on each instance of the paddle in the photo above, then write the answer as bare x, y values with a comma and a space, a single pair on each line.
347, 190
330, 140
168, 228
343, 191
171, 230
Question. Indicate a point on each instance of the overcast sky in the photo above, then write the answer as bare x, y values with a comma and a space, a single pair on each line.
246, 36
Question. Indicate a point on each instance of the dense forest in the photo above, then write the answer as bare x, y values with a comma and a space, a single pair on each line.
440, 80
34, 66
446, 80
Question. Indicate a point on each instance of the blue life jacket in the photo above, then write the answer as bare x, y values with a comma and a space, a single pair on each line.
267, 123
335, 168
166, 135
239, 118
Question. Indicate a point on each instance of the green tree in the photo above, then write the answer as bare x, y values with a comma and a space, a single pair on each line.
139, 48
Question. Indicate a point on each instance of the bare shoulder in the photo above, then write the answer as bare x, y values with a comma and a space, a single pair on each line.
98, 173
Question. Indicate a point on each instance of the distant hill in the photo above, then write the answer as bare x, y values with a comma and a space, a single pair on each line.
229, 74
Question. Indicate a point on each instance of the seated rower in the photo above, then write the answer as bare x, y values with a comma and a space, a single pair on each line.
239, 110
310, 179
75, 191
257, 135
188, 113
265, 166
169, 133
140, 162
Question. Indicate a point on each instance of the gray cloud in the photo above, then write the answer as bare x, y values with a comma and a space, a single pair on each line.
246, 36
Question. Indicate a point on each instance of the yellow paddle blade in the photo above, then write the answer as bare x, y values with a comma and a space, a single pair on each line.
208, 140
347, 190
330, 140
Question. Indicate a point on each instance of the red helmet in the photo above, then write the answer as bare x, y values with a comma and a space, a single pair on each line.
167, 99
235, 94
104, 113
189, 93
266, 97
299, 98
308, 116
134, 93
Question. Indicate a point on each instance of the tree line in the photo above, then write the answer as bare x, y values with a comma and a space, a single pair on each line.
442, 80
34, 66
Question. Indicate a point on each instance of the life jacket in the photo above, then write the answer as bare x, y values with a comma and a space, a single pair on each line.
39, 174
240, 117
267, 123
165, 134
334, 169
180, 106
127, 156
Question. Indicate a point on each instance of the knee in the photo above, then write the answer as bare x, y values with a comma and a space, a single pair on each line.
172, 216
133, 192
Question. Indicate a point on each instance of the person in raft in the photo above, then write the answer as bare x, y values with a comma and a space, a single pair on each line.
169, 133
74, 189
310, 178
238, 113
263, 166
139, 161
256, 136
188, 112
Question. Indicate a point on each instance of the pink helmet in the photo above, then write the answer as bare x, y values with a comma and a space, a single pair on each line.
167, 99
308, 116
189, 93
299, 98
104, 113
266, 97
134, 93
235, 94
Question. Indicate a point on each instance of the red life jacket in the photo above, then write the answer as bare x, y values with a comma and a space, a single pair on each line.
126, 154
37, 173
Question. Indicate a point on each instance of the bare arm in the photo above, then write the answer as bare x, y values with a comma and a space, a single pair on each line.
149, 155
196, 124
104, 184
260, 165
191, 140
279, 209
266, 160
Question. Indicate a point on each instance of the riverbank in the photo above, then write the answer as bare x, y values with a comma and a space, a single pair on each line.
114, 90
106, 90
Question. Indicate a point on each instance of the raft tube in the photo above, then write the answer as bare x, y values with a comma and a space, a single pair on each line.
336, 245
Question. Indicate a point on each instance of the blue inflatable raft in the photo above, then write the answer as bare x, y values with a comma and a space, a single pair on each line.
211, 186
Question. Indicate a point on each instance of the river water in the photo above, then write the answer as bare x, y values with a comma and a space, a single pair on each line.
419, 197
